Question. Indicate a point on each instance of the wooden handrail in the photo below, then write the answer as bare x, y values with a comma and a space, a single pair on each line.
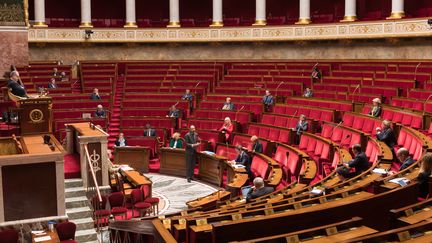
93, 173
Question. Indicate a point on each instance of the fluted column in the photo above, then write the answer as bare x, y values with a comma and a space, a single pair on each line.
86, 14
398, 10
260, 13
39, 12
174, 13
304, 16
217, 14
130, 14
350, 11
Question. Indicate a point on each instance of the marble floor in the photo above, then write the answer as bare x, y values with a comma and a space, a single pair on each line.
174, 192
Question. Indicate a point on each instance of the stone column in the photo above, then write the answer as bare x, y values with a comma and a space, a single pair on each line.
350, 11
217, 14
260, 13
86, 14
130, 14
39, 12
304, 16
174, 13
398, 11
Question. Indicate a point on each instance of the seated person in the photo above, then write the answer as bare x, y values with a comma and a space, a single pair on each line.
268, 101
55, 72
258, 189
302, 126
149, 131
360, 163
16, 86
376, 108
308, 93
256, 145
63, 77
175, 141
386, 134
100, 112
95, 95
52, 84
424, 174
242, 158
227, 128
228, 105
404, 157
173, 112
187, 95
120, 141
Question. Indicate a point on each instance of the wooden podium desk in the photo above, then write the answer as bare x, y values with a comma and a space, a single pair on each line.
173, 161
211, 168
136, 157
136, 178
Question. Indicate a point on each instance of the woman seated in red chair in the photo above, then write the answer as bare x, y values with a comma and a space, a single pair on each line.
227, 128
176, 141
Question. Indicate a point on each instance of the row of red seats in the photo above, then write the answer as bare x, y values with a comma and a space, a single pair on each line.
409, 140
318, 148
260, 86
255, 108
413, 104
160, 122
319, 114
268, 80
243, 117
406, 118
271, 133
138, 72
379, 91
149, 112
164, 105
284, 91
196, 91
80, 104
342, 135
244, 141
283, 121
211, 136
268, 72
290, 159
366, 124
278, 65
237, 98
322, 103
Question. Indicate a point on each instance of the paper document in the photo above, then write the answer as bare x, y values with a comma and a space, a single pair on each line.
379, 171
43, 238
401, 181
239, 166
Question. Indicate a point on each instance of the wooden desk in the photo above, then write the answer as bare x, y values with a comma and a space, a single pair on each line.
52, 234
136, 157
210, 201
136, 178
173, 162
210, 168
35, 144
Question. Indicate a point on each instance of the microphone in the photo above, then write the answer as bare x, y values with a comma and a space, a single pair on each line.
235, 117
415, 71
343, 140
316, 64
334, 128
358, 86
176, 103
278, 87
292, 117
424, 104
197, 84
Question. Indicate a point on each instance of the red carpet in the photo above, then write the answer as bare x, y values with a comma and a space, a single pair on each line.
72, 166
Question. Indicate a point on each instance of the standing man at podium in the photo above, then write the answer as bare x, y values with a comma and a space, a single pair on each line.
192, 142
16, 85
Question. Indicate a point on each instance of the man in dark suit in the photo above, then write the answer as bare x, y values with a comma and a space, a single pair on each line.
268, 101
95, 95
100, 112
173, 112
258, 189
256, 145
386, 134
192, 142
403, 156
16, 86
52, 84
188, 96
242, 159
302, 126
120, 141
360, 163
149, 131
228, 105
55, 72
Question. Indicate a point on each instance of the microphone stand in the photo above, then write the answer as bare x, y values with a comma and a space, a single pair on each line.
352, 100
235, 117
277, 88
334, 128
424, 104
342, 141
292, 117
415, 72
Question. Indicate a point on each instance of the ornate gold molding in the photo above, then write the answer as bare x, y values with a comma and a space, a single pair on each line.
396, 15
335, 31
260, 22
217, 24
130, 25
304, 21
173, 25
86, 25
349, 19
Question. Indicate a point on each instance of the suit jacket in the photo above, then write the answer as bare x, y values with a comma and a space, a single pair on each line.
100, 114
242, 159
117, 142
387, 136
375, 112
152, 132
228, 106
94, 96
178, 145
308, 94
175, 114
257, 147
423, 184
268, 100
187, 97
408, 161
360, 163
301, 127
17, 89
191, 138
52, 86
258, 193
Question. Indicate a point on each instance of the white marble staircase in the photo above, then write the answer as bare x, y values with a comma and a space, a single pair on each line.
78, 211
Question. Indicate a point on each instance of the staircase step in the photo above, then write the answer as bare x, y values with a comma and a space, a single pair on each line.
85, 235
81, 212
84, 223
75, 192
76, 202
69, 183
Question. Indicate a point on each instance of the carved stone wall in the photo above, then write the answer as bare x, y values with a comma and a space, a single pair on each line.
12, 12
14, 47
418, 48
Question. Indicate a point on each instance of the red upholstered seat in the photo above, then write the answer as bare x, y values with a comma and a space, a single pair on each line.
153, 201
259, 167
117, 202
66, 231
9, 236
